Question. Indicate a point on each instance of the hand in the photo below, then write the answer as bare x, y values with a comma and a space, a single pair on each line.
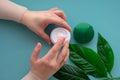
46, 66
37, 21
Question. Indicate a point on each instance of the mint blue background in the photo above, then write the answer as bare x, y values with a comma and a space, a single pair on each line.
17, 42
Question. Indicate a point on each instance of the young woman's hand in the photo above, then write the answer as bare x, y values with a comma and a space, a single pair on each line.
37, 21
46, 66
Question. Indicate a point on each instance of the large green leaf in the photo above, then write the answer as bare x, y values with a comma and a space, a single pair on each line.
88, 60
68, 72
105, 52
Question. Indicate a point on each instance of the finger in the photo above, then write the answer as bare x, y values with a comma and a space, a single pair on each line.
45, 37
53, 53
61, 14
65, 59
61, 22
63, 53
36, 52
53, 9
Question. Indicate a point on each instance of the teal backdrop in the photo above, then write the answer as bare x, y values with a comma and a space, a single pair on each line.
17, 41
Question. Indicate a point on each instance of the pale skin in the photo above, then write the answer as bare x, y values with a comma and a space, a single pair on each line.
37, 21
46, 66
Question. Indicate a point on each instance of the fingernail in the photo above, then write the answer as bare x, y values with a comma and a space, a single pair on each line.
38, 45
67, 42
62, 39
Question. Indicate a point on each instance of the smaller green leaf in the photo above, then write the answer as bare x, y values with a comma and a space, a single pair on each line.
68, 72
87, 60
105, 52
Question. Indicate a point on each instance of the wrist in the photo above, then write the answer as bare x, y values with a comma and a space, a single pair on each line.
39, 76
31, 76
25, 17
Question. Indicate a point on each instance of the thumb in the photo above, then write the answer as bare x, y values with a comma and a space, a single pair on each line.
36, 52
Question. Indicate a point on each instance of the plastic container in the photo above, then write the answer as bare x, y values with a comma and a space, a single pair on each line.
58, 33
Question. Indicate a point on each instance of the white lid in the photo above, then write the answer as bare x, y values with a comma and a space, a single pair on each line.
58, 33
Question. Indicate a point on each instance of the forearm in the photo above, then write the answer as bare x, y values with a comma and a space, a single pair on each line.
11, 11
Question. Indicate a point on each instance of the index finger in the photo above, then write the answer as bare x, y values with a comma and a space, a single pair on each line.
55, 49
57, 20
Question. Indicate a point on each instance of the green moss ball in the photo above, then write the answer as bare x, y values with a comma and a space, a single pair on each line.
83, 33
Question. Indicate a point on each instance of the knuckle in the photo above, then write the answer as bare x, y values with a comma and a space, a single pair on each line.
35, 50
59, 42
49, 14
31, 60
54, 66
44, 62
64, 61
54, 51
62, 11
62, 21
63, 54
38, 32
51, 64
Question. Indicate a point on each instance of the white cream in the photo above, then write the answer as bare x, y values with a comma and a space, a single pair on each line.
58, 33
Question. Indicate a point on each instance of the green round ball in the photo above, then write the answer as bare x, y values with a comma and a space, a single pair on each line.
83, 33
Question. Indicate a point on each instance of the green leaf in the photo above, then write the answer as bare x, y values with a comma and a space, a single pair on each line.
68, 72
86, 59
105, 52
114, 78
